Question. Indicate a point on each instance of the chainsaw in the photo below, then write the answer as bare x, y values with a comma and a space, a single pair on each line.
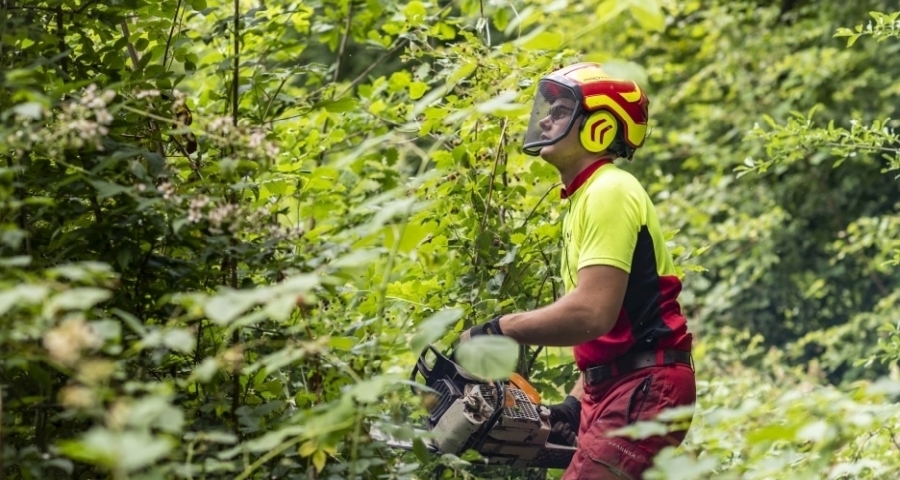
503, 421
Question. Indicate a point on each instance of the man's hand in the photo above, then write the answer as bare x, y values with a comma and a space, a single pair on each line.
491, 327
565, 418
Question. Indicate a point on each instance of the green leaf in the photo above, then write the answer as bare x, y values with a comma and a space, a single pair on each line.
141, 44
219, 437
125, 451
626, 70
541, 40
399, 81
268, 441
18, 261
504, 102
772, 433
22, 295
82, 271
180, 339
346, 104
415, 11
608, 9
417, 89
76, 299
154, 411
492, 357
204, 372
227, 306
369, 391
816, 431
434, 327
106, 189
421, 451
33, 110
649, 14
501, 21
342, 343
318, 460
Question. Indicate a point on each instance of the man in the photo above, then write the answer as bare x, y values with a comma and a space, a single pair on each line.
620, 310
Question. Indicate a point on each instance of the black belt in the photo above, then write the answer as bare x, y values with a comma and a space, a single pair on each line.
634, 362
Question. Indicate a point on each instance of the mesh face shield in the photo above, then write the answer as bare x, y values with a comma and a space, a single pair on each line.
554, 112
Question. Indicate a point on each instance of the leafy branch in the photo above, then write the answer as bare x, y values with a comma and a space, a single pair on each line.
885, 26
800, 139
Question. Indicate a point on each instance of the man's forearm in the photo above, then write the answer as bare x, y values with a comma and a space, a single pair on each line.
564, 323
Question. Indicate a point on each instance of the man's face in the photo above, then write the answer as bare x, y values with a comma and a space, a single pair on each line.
562, 152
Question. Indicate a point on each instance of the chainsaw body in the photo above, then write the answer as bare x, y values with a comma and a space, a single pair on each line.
502, 421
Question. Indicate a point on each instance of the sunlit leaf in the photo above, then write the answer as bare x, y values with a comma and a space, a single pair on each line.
492, 357
434, 327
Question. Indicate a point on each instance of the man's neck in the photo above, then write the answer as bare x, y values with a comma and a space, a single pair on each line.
568, 175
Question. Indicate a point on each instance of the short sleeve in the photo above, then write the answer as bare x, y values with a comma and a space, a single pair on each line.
609, 225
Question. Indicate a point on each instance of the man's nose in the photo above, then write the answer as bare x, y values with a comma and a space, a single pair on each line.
545, 123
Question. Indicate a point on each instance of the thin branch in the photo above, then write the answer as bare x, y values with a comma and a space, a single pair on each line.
340, 54
860, 146
538, 204
61, 34
893, 437
135, 59
534, 357
230, 259
402, 43
337, 69
237, 63
487, 203
171, 32
274, 96
2, 467
150, 115
863, 445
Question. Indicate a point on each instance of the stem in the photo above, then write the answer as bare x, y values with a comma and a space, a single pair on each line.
487, 203
2, 469
340, 54
148, 114
354, 449
60, 33
237, 62
131, 51
538, 204
231, 261
268, 456
171, 32
273, 97
371, 67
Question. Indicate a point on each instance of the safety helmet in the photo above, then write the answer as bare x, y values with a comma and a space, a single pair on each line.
612, 113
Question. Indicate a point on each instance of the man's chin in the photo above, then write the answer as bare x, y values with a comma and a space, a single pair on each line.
547, 153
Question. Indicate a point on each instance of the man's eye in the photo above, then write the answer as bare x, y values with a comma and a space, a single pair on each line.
559, 112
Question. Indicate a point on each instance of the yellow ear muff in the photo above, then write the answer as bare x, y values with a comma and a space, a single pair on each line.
598, 131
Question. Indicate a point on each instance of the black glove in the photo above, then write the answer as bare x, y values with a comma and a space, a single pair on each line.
565, 418
492, 327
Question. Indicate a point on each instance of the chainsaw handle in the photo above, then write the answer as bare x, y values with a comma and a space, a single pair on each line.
422, 366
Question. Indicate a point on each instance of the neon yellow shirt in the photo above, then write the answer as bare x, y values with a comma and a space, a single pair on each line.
612, 221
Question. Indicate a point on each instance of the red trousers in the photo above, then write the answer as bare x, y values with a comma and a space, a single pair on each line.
619, 401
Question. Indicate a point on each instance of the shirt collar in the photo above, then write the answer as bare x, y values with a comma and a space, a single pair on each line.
582, 177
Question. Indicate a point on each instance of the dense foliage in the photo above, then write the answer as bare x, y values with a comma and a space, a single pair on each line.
227, 229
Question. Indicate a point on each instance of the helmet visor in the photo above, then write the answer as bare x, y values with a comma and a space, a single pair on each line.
552, 115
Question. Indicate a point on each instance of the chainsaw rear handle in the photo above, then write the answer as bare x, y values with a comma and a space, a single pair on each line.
422, 367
